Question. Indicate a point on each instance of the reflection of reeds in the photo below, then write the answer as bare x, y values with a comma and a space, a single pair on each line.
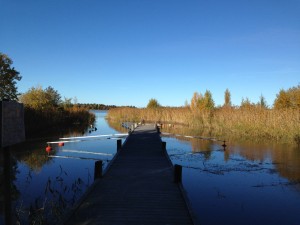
59, 197
258, 123
117, 126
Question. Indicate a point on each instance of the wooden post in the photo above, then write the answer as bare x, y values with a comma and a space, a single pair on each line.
119, 144
177, 173
224, 145
158, 129
98, 170
164, 144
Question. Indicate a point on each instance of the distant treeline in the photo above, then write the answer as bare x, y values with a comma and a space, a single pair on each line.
98, 106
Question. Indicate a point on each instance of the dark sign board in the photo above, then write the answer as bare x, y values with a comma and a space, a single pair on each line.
12, 129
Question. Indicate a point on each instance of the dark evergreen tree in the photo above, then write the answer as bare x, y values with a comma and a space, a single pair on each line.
8, 78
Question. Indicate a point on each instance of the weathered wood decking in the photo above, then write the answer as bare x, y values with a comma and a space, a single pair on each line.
137, 189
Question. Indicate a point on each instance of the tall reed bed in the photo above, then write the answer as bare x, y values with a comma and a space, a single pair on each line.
44, 120
254, 122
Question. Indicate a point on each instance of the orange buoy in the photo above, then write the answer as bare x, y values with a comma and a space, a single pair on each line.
61, 144
48, 149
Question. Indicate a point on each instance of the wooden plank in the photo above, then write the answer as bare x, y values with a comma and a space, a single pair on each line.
137, 189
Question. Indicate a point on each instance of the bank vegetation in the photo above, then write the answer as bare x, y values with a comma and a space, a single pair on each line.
258, 121
45, 111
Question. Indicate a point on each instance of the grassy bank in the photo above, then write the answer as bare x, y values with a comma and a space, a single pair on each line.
38, 121
247, 123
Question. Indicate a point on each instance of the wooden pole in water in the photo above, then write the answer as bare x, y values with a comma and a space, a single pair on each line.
158, 128
119, 144
177, 173
164, 144
224, 145
98, 170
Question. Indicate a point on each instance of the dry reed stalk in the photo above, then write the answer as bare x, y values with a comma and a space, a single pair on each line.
253, 122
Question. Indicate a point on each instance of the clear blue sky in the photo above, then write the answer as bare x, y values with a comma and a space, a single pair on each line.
125, 52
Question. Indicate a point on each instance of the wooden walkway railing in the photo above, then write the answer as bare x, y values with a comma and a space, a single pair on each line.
138, 188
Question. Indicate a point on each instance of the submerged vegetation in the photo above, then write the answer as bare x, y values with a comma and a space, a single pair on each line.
248, 121
58, 197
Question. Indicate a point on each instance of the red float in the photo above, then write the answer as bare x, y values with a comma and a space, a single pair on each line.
61, 144
48, 149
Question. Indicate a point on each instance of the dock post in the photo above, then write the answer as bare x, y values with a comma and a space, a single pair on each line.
164, 144
98, 170
119, 144
177, 173
157, 128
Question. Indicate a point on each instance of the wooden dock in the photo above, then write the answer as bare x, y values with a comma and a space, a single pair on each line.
138, 188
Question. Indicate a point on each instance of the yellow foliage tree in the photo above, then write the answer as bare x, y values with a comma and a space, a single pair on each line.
288, 99
195, 101
37, 98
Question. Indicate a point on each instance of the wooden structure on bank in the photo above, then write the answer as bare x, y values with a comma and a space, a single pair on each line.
12, 131
138, 187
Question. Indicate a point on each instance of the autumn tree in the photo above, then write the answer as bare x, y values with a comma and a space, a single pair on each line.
8, 78
202, 102
246, 104
186, 104
207, 101
195, 101
227, 98
262, 102
67, 103
288, 99
38, 98
153, 103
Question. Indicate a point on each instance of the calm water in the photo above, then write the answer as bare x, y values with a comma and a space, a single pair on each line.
44, 187
246, 184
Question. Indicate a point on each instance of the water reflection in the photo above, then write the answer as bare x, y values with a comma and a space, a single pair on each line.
31, 154
44, 187
8, 190
285, 157
248, 183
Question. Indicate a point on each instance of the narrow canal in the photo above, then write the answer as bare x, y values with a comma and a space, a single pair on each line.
247, 183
